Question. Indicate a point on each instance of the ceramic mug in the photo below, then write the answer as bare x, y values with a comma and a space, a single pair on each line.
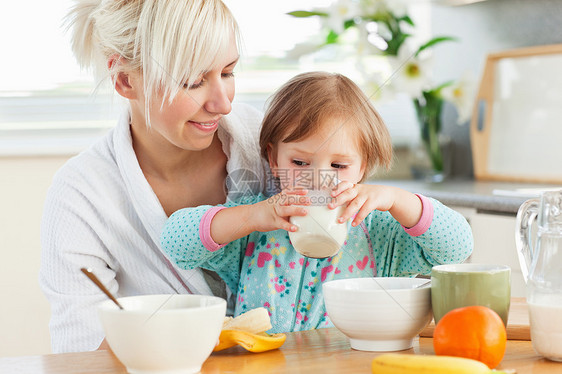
460, 285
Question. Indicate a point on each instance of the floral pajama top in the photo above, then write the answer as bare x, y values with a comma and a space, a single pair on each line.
265, 270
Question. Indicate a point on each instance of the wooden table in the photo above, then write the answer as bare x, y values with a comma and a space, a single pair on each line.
317, 351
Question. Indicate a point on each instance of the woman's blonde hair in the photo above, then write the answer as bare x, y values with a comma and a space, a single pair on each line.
172, 42
301, 106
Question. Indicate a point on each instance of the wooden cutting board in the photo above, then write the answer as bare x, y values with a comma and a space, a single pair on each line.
515, 127
517, 321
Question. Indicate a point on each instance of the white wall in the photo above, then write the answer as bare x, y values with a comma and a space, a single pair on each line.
24, 311
491, 26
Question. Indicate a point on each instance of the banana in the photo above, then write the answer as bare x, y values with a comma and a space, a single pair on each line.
253, 321
394, 363
248, 330
251, 342
226, 320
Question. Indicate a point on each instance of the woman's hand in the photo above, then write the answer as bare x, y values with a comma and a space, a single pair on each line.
362, 199
273, 213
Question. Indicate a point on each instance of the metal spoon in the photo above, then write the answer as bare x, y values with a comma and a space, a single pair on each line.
100, 285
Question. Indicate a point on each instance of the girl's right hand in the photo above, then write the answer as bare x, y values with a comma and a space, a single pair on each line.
274, 213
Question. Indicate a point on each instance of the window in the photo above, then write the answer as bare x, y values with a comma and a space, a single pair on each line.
47, 103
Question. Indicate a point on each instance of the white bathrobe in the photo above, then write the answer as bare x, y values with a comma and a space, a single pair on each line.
101, 213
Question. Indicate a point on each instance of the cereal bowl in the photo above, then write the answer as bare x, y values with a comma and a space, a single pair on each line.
379, 314
163, 333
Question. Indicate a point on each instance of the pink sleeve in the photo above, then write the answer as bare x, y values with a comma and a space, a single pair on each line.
205, 229
425, 219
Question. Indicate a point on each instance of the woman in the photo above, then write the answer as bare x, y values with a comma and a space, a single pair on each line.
172, 148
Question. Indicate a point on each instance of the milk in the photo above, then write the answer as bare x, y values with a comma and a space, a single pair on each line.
319, 234
546, 330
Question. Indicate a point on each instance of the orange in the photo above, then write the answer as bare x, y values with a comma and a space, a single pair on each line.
475, 332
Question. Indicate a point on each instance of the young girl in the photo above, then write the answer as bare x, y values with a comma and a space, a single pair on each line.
317, 122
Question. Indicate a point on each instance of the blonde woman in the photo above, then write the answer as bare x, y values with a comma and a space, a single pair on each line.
175, 144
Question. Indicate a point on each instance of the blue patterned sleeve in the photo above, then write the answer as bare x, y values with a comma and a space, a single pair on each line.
447, 240
181, 241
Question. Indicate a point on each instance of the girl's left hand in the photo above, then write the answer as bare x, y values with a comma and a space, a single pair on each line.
362, 199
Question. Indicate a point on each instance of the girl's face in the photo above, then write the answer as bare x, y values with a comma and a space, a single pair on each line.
315, 160
190, 121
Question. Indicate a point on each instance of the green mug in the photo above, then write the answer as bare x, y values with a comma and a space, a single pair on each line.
460, 285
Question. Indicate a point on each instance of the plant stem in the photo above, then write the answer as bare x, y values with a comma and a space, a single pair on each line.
428, 109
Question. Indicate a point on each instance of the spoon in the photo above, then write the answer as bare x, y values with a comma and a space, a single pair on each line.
97, 282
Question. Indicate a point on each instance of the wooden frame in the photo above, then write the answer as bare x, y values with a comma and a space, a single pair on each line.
481, 126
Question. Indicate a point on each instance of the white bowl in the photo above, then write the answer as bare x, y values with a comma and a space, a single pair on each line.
379, 314
163, 333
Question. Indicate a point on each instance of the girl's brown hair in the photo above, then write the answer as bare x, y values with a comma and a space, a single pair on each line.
298, 109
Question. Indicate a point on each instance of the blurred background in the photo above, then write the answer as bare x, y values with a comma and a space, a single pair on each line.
50, 110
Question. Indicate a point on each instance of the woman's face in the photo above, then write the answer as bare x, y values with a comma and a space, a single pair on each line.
316, 160
190, 121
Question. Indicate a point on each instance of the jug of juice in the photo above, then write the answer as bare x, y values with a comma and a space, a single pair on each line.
540, 257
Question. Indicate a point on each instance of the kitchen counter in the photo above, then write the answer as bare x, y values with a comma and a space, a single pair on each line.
492, 197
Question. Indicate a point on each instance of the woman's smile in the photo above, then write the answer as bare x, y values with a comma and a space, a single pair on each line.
205, 126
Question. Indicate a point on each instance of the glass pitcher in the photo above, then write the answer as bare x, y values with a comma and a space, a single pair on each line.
541, 265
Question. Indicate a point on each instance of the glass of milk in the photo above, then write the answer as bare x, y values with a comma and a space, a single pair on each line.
319, 233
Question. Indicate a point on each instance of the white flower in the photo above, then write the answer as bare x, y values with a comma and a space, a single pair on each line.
377, 89
371, 38
461, 93
339, 12
384, 31
368, 43
410, 73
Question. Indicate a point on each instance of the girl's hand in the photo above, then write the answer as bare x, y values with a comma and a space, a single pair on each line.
273, 213
362, 199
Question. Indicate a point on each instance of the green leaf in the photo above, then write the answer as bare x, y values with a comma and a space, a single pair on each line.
407, 19
437, 90
332, 37
395, 43
349, 23
375, 18
306, 13
435, 41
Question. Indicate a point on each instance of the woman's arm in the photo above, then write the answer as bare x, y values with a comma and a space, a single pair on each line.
68, 243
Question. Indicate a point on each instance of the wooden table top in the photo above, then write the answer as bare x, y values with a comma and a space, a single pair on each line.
316, 351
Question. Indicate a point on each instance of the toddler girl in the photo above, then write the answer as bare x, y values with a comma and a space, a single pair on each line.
316, 124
